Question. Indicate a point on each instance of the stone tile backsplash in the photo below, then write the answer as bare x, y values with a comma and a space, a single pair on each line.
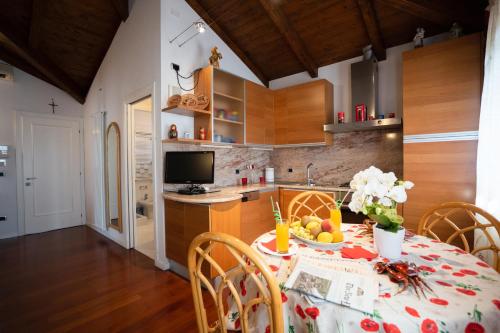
335, 165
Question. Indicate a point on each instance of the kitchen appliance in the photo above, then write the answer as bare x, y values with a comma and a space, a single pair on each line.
269, 173
189, 167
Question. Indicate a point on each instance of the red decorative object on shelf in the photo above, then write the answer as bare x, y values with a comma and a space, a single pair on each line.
360, 112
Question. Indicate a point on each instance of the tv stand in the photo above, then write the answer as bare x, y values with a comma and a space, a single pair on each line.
191, 190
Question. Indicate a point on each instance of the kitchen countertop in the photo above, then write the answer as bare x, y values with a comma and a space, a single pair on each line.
232, 193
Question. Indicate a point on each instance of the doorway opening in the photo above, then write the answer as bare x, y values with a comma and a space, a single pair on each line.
143, 219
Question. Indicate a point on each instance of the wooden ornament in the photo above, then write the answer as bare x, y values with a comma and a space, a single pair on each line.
174, 100
202, 101
188, 100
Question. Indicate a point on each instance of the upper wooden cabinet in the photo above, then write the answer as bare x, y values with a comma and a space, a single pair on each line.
259, 114
301, 111
442, 87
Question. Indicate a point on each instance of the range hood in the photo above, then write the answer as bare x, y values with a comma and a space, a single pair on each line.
364, 91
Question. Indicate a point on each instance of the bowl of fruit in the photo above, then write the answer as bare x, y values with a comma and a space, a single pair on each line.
316, 231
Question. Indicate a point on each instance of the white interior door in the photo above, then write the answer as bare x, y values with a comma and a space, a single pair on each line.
52, 173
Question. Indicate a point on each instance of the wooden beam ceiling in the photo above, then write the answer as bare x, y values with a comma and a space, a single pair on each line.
291, 36
198, 8
372, 28
433, 11
37, 61
37, 12
121, 7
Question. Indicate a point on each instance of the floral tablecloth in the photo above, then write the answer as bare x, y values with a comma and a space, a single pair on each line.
466, 299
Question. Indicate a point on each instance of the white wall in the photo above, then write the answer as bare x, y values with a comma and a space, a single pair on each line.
390, 94
177, 15
25, 94
131, 64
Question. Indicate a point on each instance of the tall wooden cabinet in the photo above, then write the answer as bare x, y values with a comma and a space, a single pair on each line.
259, 114
441, 104
301, 111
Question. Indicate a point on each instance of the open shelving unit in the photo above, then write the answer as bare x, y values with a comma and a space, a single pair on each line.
228, 107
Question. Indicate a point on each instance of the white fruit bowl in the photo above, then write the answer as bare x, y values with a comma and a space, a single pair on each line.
330, 246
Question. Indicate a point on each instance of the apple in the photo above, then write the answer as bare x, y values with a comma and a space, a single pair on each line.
326, 225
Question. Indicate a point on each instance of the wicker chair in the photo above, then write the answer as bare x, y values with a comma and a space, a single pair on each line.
249, 262
442, 214
310, 203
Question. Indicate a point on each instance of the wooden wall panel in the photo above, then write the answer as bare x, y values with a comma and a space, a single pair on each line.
259, 114
257, 216
442, 87
441, 171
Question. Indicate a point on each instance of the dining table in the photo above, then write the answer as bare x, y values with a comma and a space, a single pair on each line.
465, 293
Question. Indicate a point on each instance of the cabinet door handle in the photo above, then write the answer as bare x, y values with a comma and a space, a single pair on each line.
31, 178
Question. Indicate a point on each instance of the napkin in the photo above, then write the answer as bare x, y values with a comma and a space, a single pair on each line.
271, 245
357, 252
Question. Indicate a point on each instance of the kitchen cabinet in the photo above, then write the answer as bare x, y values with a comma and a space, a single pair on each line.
301, 111
184, 221
441, 105
259, 114
257, 216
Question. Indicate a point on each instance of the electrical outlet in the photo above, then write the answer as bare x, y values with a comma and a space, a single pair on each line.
3, 218
237, 171
290, 170
176, 67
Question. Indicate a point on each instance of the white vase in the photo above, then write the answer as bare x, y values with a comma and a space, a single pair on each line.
388, 243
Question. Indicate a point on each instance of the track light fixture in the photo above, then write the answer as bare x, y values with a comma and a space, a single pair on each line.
200, 28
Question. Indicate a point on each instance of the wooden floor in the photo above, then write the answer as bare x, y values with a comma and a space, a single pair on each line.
75, 280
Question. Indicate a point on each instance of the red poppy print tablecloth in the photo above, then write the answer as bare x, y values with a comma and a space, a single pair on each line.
466, 294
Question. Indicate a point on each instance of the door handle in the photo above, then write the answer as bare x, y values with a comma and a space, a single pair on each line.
31, 178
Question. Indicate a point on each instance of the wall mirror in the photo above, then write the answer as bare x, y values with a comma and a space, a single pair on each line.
113, 178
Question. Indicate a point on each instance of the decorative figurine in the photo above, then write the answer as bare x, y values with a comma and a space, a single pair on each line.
456, 30
202, 133
214, 57
418, 40
172, 134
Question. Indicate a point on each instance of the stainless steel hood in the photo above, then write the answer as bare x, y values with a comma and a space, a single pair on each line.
364, 91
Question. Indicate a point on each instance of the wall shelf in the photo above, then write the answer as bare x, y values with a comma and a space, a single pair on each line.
185, 111
228, 96
228, 121
185, 140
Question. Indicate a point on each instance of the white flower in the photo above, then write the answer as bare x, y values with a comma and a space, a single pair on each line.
408, 184
385, 201
388, 179
398, 194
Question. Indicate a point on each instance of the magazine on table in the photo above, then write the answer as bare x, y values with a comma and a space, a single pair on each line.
354, 285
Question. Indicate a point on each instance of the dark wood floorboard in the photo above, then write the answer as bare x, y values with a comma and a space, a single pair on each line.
76, 280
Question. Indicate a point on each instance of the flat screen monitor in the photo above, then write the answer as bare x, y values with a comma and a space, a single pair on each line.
189, 167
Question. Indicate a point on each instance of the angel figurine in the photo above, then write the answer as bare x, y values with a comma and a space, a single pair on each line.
215, 57
418, 40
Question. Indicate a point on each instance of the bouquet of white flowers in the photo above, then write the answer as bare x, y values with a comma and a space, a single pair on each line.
376, 194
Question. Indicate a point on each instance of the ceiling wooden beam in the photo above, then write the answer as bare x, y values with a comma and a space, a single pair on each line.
291, 36
225, 37
37, 12
435, 12
121, 8
38, 61
18, 62
372, 28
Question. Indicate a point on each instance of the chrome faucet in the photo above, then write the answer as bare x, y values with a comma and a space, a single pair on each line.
310, 181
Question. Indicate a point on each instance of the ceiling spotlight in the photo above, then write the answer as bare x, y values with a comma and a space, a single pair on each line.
200, 26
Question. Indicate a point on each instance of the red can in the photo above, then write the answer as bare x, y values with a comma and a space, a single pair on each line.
391, 115
341, 117
360, 112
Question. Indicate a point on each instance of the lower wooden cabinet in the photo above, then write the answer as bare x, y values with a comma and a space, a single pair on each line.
257, 216
183, 222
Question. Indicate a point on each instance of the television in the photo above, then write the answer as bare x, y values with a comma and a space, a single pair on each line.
189, 167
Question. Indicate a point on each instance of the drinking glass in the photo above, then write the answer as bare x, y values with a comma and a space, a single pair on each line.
336, 217
282, 236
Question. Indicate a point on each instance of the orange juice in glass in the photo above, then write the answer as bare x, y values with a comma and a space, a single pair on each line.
336, 217
282, 236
